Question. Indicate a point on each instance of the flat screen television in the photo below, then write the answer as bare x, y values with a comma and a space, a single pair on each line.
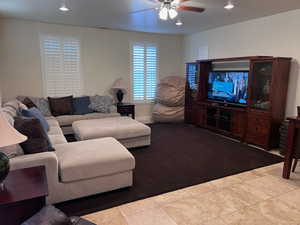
228, 87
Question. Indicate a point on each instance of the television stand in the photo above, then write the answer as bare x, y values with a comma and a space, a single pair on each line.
225, 120
259, 120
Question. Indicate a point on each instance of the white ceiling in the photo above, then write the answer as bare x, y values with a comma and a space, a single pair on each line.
117, 14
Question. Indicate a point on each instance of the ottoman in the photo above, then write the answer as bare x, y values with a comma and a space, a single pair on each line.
129, 132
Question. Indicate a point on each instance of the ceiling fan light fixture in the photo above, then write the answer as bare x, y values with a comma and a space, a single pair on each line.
176, 2
173, 13
64, 7
179, 23
229, 5
163, 13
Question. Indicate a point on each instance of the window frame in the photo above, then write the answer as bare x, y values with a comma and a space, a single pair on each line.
42, 37
145, 44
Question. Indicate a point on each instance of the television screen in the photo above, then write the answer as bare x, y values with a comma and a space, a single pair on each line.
228, 87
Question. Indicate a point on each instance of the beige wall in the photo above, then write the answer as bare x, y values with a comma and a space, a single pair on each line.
105, 57
277, 35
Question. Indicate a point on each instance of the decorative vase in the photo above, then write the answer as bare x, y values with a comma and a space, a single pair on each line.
4, 168
120, 96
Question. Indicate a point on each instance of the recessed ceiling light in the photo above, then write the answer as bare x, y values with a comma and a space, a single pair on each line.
229, 6
64, 7
179, 23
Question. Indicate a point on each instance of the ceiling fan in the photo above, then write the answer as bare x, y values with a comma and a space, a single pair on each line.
169, 8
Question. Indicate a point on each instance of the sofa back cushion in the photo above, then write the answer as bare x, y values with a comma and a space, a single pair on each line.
61, 106
12, 109
81, 105
37, 114
37, 139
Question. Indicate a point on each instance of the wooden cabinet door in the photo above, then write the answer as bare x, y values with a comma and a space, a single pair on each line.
201, 121
258, 129
239, 124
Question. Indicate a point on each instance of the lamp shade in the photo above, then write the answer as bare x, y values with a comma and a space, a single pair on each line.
8, 134
119, 84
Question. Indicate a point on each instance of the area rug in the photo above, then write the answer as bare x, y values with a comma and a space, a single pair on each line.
180, 155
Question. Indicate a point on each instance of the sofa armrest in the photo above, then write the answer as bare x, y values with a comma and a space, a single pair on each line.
47, 159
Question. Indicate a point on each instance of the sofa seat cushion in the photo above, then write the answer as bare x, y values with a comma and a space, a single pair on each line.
55, 130
57, 139
117, 127
93, 158
52, 121
67, 120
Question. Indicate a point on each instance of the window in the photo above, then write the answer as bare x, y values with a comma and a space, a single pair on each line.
144, 72
61, 66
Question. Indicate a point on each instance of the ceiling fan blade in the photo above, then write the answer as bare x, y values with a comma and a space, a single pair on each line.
142, 10
190, 8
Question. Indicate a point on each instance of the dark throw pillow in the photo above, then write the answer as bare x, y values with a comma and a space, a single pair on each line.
27, 101
61, 106
37, 114
37, 139
49, 215
81, 105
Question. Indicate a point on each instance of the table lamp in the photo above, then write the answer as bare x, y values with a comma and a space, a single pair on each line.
8, 136
120, 89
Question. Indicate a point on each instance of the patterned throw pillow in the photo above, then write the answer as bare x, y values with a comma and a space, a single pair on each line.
43, 105
101, 103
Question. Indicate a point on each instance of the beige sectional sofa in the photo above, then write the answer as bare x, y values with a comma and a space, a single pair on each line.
79, 169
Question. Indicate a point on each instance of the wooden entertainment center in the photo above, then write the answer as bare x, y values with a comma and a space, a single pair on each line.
258, 118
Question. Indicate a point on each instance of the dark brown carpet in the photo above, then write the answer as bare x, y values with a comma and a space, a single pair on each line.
180, 156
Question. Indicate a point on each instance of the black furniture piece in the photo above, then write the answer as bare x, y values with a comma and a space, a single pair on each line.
126, 109
24, 195
52, 216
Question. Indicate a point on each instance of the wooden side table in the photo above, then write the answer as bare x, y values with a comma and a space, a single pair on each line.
24, 195
126, 109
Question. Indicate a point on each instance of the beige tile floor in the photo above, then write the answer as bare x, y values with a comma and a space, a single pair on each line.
257, 197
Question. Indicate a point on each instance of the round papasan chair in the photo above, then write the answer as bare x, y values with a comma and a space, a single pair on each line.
169, 104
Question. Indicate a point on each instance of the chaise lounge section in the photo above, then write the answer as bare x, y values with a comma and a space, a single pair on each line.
81, 169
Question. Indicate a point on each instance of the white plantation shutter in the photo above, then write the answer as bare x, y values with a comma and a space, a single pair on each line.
61, 66
144, 72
